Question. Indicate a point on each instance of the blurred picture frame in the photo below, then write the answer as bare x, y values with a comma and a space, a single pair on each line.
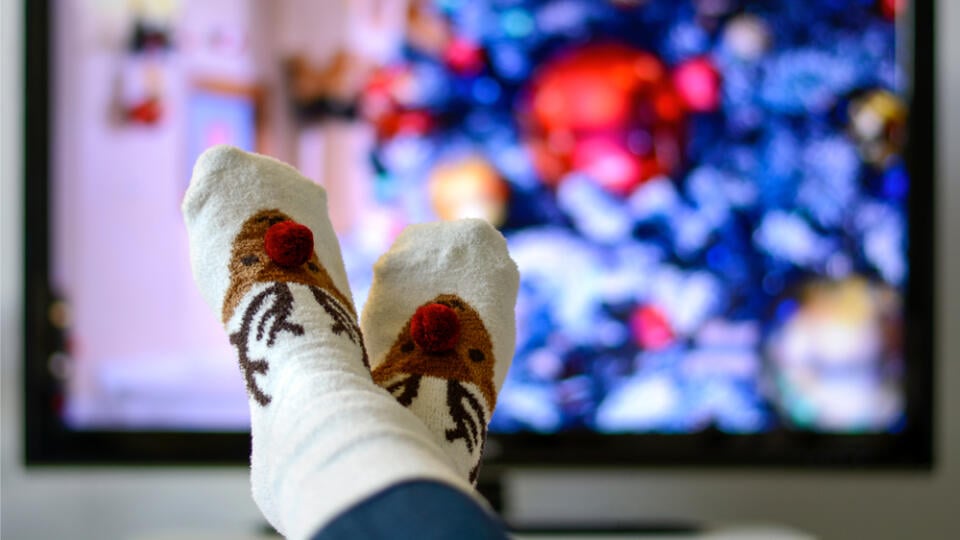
221, 111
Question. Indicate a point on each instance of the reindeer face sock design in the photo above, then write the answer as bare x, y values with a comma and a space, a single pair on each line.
272, 248
265, 257
442, 367
439, 328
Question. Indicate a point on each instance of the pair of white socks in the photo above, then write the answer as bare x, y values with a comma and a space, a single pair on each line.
339, 413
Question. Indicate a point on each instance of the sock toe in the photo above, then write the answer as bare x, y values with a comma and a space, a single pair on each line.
439, 325
468, 258
227, 187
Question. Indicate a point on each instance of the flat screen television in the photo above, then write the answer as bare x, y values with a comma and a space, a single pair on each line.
721, 210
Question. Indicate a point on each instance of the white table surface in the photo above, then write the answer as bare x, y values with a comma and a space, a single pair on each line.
732, 532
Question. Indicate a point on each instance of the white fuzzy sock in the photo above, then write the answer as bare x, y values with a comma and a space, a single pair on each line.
325, 437
439, 326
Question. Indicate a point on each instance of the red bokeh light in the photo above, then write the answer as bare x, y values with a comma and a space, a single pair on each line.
463, 56
892, 8
650, 328
150, 111
698, 83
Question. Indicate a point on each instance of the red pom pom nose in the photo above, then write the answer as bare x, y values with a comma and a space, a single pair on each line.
435, 328
288, 243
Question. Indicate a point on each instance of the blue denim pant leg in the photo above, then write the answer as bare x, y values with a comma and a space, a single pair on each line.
422, 510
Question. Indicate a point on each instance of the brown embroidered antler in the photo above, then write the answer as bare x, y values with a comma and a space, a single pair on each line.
406, 389
471, 430
343, 320
279, 312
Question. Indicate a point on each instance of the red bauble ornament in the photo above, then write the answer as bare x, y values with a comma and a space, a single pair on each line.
609, 162
583, 109
288, 243
591, 88
435, 328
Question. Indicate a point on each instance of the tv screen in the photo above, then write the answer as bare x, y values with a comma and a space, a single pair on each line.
720, 210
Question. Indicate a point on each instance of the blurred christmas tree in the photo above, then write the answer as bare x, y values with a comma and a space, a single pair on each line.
670, 175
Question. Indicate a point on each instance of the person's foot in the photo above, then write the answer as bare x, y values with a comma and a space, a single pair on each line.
440, 329
267, 261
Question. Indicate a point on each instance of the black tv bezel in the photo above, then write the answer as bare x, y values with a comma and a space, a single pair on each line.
49, 442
